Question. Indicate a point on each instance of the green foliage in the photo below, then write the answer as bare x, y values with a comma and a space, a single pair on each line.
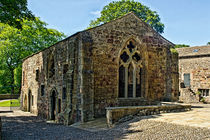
208, 43
181, 46
117, 9
198, 93
12, 10
173, 51
203, 100
16, 44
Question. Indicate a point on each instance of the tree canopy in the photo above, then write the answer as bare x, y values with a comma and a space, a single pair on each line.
181, 46
12, 12
16, 44
117, 9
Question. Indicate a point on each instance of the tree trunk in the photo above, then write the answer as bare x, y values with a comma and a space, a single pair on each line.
12, 81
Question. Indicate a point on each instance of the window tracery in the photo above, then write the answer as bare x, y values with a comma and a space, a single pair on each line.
130, 72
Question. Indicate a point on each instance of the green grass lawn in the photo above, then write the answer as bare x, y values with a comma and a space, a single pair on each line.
10, 103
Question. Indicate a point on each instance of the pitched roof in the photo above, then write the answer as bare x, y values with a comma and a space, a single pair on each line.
194, 51
128, 14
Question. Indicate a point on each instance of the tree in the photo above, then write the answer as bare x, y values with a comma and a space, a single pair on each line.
117, 9
16, 44
181, 46
12, 12
208, 43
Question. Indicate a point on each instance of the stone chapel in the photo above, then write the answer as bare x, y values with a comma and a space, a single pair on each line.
120, 63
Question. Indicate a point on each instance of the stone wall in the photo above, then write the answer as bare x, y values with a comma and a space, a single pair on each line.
77, 78
55, 68
102, 46
120, 114
175, 77
196, 62
188, 96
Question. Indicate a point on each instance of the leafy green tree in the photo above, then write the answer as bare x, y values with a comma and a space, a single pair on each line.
16, 44
117, 9
181, 46
208, 43
12, 12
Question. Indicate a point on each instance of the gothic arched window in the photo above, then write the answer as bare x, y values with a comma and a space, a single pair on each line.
130, 72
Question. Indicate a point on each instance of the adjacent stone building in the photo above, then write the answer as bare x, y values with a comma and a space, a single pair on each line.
194, 74
120, 63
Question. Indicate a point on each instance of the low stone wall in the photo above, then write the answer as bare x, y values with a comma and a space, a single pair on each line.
120, 114
9, 96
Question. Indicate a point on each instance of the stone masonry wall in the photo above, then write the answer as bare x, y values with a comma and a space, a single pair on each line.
199, 69
102, 46
82, 72
58, 69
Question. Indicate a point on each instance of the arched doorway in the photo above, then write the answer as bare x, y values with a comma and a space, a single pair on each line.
29, 101
53, 104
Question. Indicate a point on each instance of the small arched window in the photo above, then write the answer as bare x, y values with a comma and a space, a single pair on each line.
130, 72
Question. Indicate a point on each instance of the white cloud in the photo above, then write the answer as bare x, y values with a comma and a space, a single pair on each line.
96, 13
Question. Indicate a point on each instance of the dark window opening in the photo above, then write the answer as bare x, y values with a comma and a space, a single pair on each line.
32, 100
138, 82
204, 92
37, 74
64, 92
124, 57
65, 68
130, 80
42, 90
121, 81
131, 46
136, 57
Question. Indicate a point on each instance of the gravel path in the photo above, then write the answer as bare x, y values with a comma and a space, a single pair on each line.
29, 128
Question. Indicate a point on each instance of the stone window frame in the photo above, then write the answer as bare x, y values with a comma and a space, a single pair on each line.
135, 64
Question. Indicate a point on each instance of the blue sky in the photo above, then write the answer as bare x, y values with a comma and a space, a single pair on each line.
186, 21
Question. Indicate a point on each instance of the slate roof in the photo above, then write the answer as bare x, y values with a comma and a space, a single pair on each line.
194, 51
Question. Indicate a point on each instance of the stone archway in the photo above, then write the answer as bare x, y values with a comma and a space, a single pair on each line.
29, 101
25, 103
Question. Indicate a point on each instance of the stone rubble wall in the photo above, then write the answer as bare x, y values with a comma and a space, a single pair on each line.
63, 53
188, 96
102, 46
199, 69
87, 65
120, 114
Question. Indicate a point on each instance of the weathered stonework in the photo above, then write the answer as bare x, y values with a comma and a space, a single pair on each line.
194, 61
121, 114
77, 78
